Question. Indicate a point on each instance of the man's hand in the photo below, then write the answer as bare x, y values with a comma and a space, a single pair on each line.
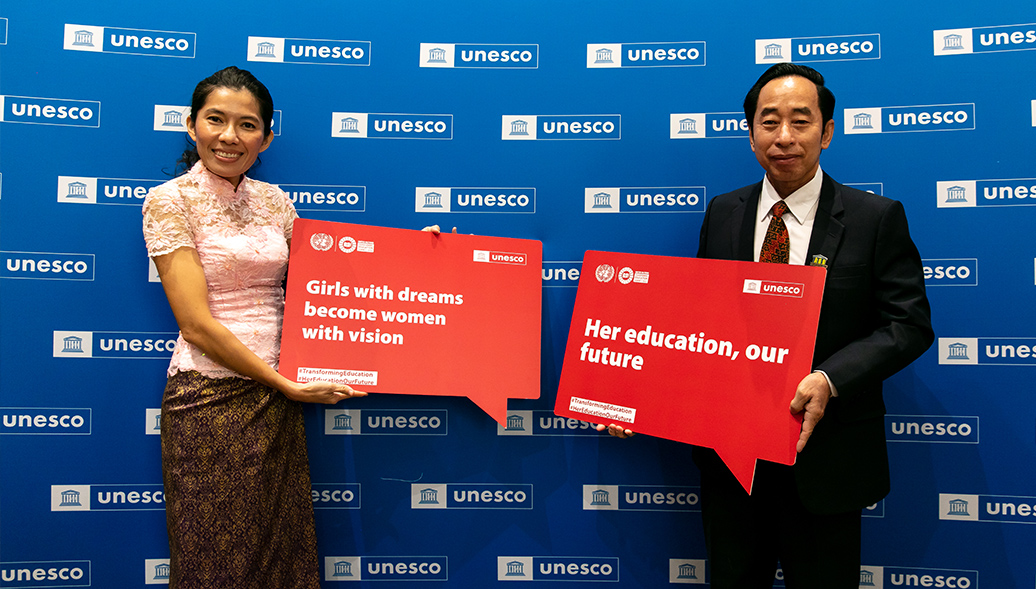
615, 430
811, 396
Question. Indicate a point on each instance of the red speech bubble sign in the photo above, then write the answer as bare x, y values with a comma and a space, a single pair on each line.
408, 312
706, 352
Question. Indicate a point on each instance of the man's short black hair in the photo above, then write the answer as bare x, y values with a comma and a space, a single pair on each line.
825, 98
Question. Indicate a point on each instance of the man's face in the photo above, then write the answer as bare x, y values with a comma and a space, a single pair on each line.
788, 134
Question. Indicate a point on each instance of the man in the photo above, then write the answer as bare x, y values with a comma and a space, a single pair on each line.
874, 321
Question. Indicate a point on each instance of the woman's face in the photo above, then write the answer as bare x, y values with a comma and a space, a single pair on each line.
229, 133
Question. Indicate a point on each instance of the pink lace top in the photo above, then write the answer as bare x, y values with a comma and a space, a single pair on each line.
241, 237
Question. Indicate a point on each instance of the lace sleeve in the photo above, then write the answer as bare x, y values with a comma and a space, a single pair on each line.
165, 221
288, 213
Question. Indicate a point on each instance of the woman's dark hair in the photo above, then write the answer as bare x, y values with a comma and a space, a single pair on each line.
234, 79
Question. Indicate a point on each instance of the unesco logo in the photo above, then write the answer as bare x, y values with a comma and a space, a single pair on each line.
543, 423
646, 199
951, 272
709, 125
336, 495
984, 39
156, 571
339, 199
101, 39
627, 55
1008, 192
812, 49
128, 345
358, 125
561, 127
470, 496
46, 573
640, 498
561, 273
552, 568
47, 266
690, 571
947, 429
386, 568
45, 421
909, 119
428, 199
471, 55
877, 577
1005, 351
394, 422
311, 51
50, 111
107, 191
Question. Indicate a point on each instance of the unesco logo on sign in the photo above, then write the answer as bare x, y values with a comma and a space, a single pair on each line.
443, 199
359, 125
326, 197
156, 571
52, 573
543, 423
554, 568
386, 568
811, 49
560, 127
311, 51
45, 421
561, 273
627, 55
114, 344
396, 422
50, 111
336, 495
470, 496
640, 498
984, 39
107, 498
1009, 192
471, 55
947, 429
101, 39
1005, 351
649, 199
709, 125
951, 272
689, 571
987, 508
47, 266
878, 577
909, 119
112, 191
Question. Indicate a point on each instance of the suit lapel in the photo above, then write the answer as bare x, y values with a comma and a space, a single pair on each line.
743, 236
827, 225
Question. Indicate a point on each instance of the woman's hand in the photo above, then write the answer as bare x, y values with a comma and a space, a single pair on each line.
434, 229
327, 393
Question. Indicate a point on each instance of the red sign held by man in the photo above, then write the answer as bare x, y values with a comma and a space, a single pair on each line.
705, 352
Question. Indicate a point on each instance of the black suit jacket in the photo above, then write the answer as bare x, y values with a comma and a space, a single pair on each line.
874, 321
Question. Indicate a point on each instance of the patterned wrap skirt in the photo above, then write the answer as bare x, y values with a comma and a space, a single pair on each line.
236, 473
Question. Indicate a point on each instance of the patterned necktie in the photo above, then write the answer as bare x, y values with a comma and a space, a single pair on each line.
776, 246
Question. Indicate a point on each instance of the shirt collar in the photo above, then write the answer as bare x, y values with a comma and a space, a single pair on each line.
800, 202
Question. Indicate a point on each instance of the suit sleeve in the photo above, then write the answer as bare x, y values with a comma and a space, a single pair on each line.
899, 325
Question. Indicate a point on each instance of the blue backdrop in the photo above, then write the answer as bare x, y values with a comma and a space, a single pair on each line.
563, 105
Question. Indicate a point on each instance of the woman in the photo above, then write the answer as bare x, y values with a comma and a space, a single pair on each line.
234, 462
